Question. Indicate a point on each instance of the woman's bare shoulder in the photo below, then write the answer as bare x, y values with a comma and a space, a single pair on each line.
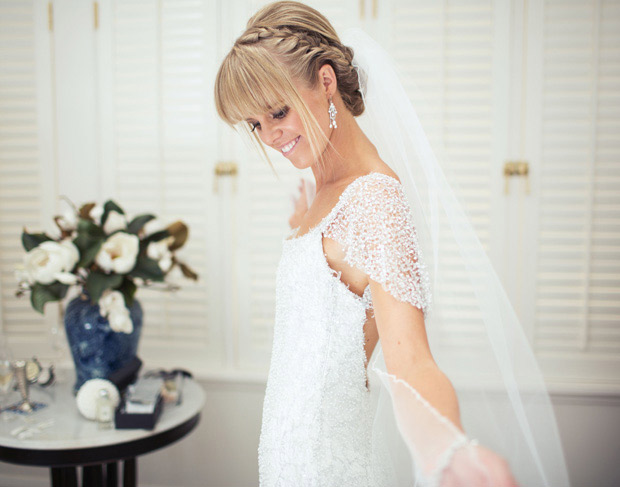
378, 165
374, 166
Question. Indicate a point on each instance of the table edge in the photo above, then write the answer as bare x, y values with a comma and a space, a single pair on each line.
98, 454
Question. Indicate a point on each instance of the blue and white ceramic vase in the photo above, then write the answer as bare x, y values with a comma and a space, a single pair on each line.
98, 350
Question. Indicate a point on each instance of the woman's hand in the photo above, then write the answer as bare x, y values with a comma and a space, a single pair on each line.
300, 205
477, 466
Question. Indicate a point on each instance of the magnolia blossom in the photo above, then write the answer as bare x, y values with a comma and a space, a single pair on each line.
52, 261
110, 301
120, 321
96, 212
112, 306
160, 252
68, 221
115, 221
23, 276
118, 253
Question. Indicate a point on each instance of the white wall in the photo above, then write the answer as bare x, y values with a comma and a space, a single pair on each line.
222, 451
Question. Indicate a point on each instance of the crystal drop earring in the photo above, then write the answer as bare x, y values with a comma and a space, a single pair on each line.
332, 114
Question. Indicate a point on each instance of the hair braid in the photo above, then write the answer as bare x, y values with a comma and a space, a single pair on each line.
304, 51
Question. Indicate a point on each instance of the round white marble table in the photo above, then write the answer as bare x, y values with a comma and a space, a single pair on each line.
58, 437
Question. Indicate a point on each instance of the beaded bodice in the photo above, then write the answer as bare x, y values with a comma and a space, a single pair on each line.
318, 411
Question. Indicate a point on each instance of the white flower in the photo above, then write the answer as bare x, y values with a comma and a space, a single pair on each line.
120, 321
68, 221
160, 252
51, 261
73, 254
115, 221
23, 276
110, 301
152, 226
118, 253
96, 212
112, 306
66, 278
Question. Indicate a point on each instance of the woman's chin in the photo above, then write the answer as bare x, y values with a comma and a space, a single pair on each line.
300, 164
299, 160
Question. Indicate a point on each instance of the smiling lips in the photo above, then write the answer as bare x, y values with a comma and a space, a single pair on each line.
288, 147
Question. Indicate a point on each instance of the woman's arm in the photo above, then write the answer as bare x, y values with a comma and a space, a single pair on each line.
439, 448
407, 354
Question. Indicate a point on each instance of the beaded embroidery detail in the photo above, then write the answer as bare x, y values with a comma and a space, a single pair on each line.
375, 227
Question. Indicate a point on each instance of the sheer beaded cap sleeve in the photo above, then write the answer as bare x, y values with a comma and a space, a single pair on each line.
375, 227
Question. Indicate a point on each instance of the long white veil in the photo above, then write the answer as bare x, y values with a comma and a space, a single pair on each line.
503, 399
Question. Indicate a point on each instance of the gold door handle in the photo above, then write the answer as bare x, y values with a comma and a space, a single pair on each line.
374, 8
517, 168
225, 169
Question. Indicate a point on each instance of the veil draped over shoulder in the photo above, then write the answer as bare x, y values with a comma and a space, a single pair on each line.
502, 396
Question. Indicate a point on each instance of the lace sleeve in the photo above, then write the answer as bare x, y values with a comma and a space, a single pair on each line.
375, 228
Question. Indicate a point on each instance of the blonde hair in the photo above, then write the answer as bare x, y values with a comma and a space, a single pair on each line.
284, 42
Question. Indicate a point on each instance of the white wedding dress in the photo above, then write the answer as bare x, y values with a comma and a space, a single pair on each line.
318, 411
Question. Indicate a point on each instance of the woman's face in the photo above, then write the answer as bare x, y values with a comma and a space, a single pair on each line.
283, 130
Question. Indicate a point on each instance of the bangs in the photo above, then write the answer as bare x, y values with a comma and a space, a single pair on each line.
250, 82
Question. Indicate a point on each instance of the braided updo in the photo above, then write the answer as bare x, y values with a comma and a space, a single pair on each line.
284, 42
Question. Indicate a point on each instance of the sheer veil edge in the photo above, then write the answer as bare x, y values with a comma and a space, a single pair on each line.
473, 330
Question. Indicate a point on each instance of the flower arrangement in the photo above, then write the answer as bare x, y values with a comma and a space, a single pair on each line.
105, 253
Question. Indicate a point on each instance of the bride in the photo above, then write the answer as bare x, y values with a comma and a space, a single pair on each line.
361, 276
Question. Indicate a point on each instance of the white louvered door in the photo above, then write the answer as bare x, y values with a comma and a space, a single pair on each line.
574, 81
27, 173
157, 61
451, 57
452, 52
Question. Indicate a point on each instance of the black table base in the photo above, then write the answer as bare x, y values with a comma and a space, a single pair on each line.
100, 475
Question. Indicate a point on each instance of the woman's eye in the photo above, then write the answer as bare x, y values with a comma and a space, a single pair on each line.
281, 114
254, 125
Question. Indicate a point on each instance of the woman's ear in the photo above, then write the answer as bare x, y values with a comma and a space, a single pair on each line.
327, 78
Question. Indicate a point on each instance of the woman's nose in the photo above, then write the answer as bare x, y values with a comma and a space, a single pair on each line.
272, 136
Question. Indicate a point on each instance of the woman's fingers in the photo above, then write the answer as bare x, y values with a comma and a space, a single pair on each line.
478, 467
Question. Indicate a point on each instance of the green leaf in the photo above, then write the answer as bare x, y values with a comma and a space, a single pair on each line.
147, 268
43, 293
98, 282
112, 206
156, 237
128, 288
88, 228
83, 242
107, 208
60, 289
138, 223
32, 240
88, 254
89, 240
